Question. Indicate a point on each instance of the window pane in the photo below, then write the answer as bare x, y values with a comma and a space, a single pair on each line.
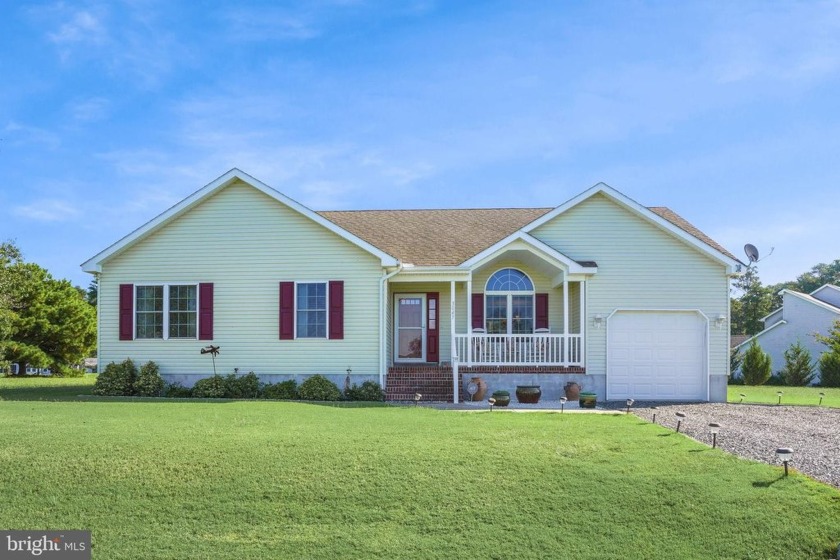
509, 280
182, 311
312, 310
496, 311
149, 315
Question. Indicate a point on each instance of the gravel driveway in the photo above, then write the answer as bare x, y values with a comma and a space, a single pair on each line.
756, 431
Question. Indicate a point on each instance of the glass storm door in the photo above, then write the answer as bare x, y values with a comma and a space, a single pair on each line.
410, 331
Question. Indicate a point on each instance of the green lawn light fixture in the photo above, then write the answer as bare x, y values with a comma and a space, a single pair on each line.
417, 397
629, 403
821, 398
743, 396
785, 455
492, 402
714, 429
562, 404
654, 409
779, 393
680, 416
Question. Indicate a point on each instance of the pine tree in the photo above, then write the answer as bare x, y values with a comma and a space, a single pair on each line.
799, 370
755, 369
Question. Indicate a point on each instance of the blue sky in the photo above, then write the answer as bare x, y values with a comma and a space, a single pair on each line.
727, 112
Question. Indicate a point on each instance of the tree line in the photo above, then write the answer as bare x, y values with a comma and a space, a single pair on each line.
44, 322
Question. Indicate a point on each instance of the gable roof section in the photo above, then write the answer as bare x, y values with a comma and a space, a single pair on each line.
570, 265
812, 300
94, 264
661, 217
434, 237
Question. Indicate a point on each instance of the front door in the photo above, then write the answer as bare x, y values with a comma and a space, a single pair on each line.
410, 328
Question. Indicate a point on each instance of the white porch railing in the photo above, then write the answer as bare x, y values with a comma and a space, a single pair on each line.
519, 349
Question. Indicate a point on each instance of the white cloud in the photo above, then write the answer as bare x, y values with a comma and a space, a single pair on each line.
90, 110
79, 27
48, 210
268, 24
20, 135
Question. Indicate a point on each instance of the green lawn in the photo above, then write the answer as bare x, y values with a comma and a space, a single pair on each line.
791, 395
287, 480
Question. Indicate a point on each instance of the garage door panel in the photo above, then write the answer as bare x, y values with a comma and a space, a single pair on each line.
656, 355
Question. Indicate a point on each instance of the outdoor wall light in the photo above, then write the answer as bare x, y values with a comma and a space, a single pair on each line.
779, 393
680, 416
720, 321
785, 454
629, 404
562, 404
492, 402
417, 397
743, 396
654, 409
714, 428
821, 398
598, 320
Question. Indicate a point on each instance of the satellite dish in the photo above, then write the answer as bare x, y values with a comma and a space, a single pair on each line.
752, 252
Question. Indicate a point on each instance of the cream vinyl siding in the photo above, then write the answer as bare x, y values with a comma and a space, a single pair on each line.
246, 243
639, 266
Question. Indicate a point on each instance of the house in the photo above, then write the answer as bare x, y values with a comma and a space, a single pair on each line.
627, 300
799, 317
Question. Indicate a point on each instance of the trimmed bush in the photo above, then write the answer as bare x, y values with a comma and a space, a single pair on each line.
149, 383
755, 369
799, 370
285, 390
176, 391
214, 387
117, 380
830, 369
368, 391
246, 386
319, 388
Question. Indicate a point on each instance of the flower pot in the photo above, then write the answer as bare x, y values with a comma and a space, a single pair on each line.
528, 394
502, 398
588, 400
572, 390
481, 388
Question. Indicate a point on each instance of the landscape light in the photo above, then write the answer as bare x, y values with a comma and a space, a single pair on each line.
417, 397
629, 404
562, 404
780, 397
743, 396
714, 428
492, 402
821, 398
680, 416
785, 454
654, 409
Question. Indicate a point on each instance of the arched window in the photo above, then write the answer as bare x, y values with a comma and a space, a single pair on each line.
509, 303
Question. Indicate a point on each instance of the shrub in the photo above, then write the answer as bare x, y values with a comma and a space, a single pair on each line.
369, 391
755, 369
242, 387
285, 390
149, 383
117, 380
830, 369
799, 370
214, 387
176, 391
319, 388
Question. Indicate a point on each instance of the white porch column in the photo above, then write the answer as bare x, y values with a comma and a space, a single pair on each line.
452, 346
582, 320
469, 321
566, 345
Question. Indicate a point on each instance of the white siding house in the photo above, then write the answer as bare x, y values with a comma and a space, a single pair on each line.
630, 301
799, 318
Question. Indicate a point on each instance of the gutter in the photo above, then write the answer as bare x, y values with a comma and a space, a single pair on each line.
382, 319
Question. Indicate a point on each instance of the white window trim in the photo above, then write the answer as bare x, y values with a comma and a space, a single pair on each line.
509, 294
326, 310
165, 286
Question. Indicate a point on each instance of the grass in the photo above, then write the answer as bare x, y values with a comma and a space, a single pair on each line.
767, 394
158, 479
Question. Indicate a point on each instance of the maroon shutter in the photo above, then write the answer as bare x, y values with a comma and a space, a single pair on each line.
126, 311
336, 307
541, 312
478, 311
432, 326
205, 311
287, 310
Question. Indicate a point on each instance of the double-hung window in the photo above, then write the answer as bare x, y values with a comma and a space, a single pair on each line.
311, 309
166, 311
509, 303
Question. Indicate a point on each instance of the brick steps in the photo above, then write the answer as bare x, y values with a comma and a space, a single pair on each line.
432, 383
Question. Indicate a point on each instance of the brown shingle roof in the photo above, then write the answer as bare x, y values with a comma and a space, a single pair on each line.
434, 237
449, 237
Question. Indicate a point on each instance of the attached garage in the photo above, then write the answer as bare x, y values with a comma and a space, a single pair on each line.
657, 355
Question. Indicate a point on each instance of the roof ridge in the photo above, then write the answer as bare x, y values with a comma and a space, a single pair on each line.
532, 208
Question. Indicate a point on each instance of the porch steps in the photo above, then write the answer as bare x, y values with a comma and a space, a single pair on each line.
434, 384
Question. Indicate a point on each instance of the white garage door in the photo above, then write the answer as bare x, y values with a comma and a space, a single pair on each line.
656, 355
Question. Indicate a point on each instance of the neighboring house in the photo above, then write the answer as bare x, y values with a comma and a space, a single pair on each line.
627, 300
799, 317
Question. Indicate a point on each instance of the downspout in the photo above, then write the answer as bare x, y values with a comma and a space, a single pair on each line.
98, 276
382, 319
